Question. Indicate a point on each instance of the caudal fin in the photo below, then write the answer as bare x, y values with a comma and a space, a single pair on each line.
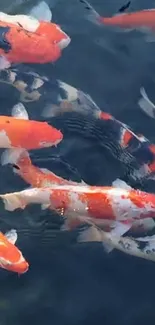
92, 14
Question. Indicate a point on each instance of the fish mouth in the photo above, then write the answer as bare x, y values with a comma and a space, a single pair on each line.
64, 43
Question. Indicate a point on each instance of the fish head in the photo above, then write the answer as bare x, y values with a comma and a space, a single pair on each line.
61, 38
54, 34
48, 136
11, 258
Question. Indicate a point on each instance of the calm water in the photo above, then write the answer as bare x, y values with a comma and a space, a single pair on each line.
70, 284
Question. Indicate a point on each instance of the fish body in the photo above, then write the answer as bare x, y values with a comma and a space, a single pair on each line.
52, 32
97, 202
11, 257
18, 131
43, 40
41, 177
31, 174
37, 48
143, 18
139, 247
135, 152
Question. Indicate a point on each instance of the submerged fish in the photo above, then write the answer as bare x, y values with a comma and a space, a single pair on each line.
135, 152
11, 258
33, 87
43, 41
142, 18
41, 177
114, 206
18, 131
31, 174
139, 247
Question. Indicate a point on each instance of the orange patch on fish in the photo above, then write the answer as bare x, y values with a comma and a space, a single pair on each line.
105, 116
98, 205
125, 138
28, 47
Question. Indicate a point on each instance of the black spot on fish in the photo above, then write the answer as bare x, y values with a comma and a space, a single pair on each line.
4, 44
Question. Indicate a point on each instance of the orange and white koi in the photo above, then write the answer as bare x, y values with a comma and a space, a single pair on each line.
11, 258
18, 131
41, 177
88, 204
143, 247
43, 41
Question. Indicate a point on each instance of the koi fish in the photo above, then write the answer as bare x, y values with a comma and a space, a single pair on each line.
146, 104
43, 41
139, 247
31, 174
18, 131
33, 87
41, 177
11, 258
42, 27
88, 204
135, 152
142, 20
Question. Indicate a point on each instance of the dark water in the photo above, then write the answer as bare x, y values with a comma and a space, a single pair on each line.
67, 283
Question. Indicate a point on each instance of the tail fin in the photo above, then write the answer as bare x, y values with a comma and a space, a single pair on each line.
145, 104
93, 15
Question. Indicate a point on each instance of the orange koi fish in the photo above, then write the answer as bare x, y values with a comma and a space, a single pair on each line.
88, 204
132, 20
18, 131
11, 258
31, 174
43, 41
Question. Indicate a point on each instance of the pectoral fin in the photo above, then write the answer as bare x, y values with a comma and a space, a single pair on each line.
11, 236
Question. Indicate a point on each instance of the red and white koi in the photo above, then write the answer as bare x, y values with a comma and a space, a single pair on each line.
41, 177
89, 204
26, 39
